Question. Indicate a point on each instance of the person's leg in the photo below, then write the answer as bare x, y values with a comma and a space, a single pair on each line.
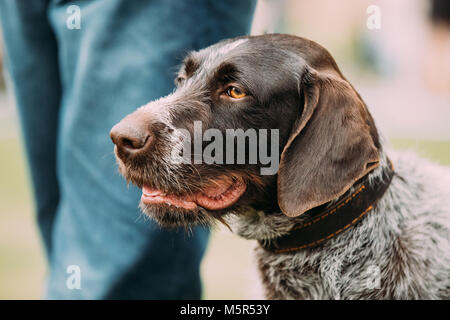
31, 59
123, 56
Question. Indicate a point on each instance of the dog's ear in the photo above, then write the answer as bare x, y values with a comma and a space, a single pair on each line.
333, 143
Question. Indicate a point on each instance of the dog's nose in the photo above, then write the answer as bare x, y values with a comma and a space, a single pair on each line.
130, 138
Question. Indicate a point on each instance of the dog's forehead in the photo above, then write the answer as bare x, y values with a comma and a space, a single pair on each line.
215, 54
226, 48
269, 49
247, 52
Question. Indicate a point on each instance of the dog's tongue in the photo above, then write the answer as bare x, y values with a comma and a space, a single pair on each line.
217, 197
220, 197
153, 196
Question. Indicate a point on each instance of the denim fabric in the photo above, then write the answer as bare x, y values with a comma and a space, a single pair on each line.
71, 87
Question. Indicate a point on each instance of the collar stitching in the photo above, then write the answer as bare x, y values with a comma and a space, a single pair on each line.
312, 244
331, 211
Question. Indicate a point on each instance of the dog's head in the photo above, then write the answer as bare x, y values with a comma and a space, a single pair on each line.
241, 107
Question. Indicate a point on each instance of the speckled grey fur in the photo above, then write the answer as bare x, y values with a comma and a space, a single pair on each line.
400, 250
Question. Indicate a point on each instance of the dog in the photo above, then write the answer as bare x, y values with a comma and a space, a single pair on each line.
343, 217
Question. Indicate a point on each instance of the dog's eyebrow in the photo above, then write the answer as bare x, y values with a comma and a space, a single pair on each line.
226, 72
190, 65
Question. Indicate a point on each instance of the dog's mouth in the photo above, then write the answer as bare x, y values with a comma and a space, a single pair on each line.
221, 195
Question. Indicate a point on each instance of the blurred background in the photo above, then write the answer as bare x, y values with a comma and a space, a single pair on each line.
395, 53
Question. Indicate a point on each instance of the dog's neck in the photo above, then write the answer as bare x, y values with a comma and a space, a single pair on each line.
279, 233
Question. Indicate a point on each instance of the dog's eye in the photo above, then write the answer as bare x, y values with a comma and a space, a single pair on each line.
235, 93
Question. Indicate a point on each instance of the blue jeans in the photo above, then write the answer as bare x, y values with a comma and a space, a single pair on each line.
71, 86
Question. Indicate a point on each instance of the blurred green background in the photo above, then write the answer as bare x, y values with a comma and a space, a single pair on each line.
408, 94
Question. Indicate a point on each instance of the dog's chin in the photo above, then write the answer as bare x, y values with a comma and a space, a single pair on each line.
172, 217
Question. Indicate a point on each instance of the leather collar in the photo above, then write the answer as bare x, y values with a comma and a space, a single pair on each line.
326, 223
